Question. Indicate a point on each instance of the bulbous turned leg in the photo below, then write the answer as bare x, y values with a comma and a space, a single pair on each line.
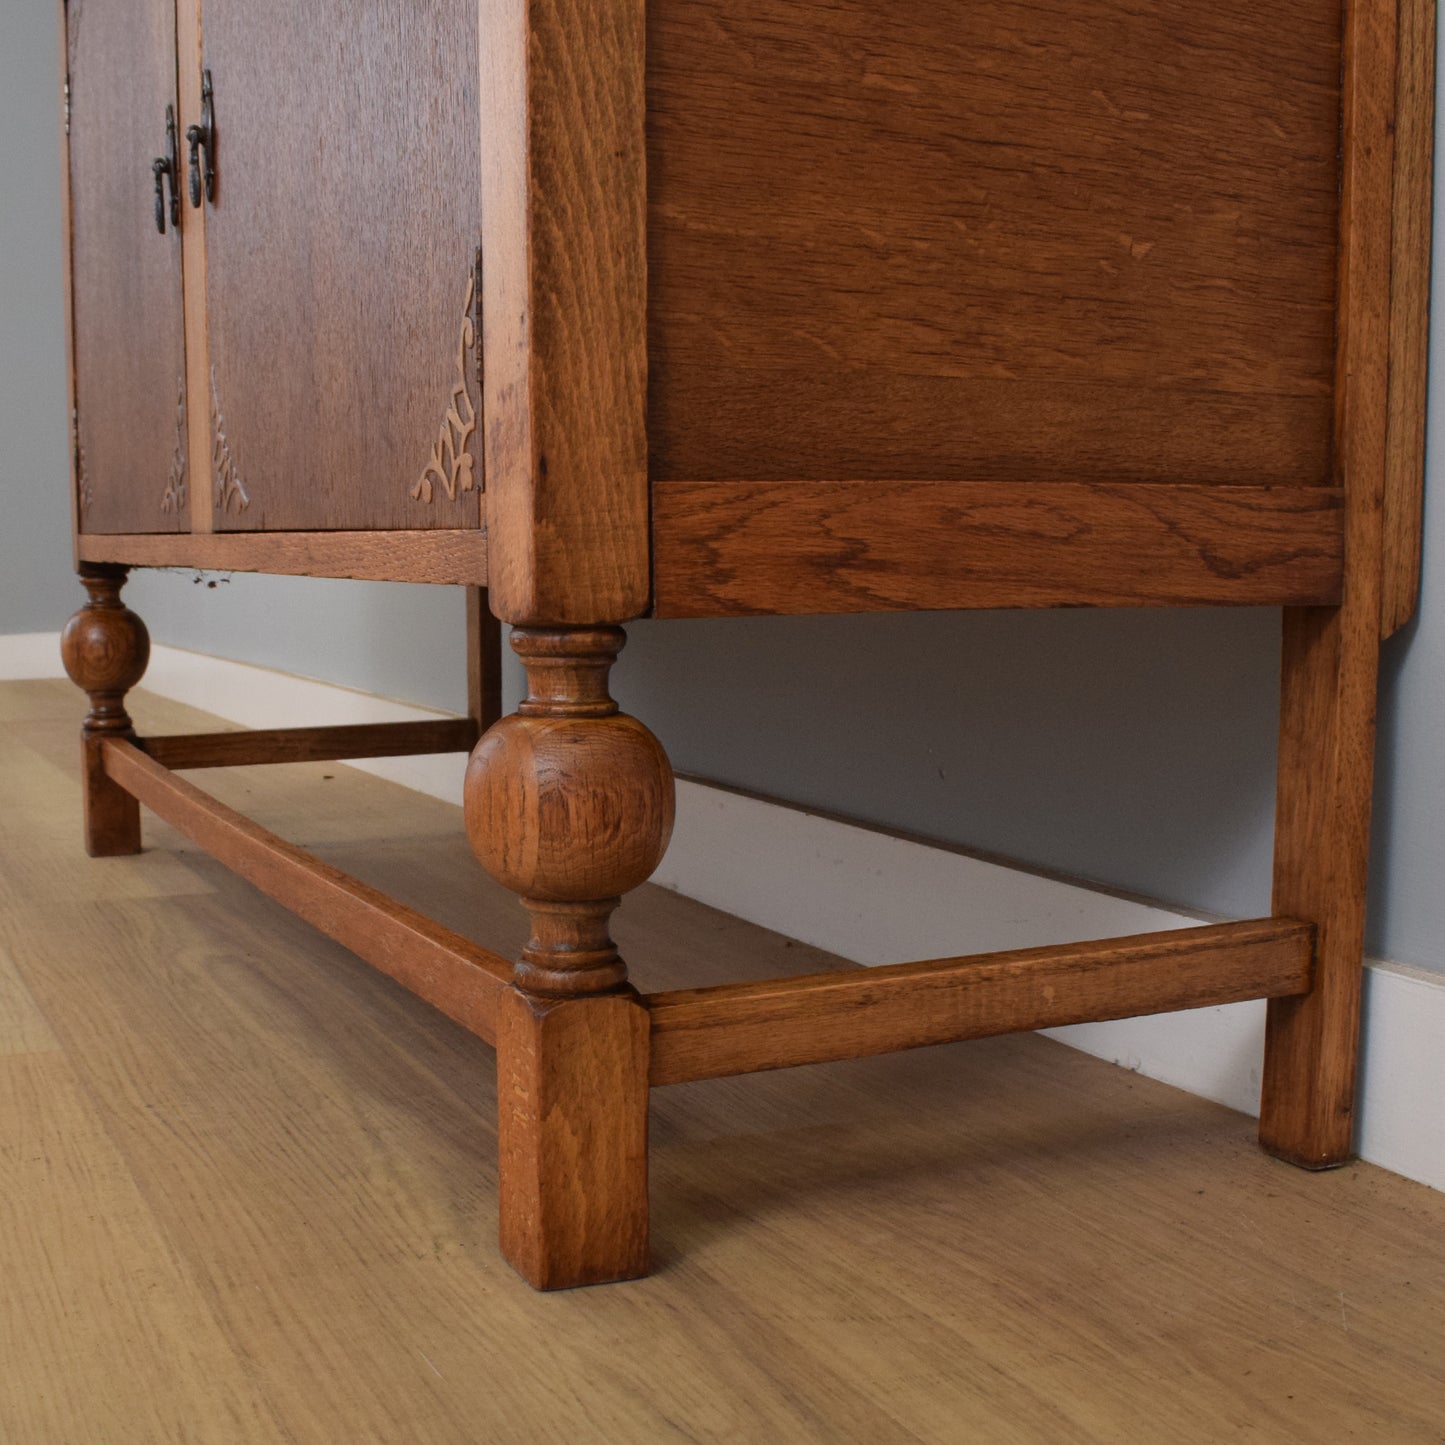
105, 648
569, 804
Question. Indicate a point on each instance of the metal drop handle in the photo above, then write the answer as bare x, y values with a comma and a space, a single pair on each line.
166, 169
202, 138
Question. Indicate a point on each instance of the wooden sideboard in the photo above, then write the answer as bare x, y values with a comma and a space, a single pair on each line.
606, 309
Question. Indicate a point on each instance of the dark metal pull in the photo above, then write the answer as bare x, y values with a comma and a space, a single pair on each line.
203, 138
168, 168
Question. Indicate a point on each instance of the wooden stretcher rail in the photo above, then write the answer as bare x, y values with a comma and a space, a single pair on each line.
456, 557
705, 1033
311, 745
738, 548
451, 973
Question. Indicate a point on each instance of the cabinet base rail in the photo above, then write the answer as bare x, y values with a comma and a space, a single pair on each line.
705, 1033
580, 1067
743, 1028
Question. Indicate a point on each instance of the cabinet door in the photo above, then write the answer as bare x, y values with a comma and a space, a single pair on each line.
129, 337
341, 254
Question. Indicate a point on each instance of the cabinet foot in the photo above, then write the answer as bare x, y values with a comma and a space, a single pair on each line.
105, 648
1322, 853
572, 1137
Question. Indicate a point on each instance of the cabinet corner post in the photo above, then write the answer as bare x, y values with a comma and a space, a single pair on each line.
105, 648
569, 804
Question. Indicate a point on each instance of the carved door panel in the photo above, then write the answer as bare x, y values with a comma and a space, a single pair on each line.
128, 333
341, 246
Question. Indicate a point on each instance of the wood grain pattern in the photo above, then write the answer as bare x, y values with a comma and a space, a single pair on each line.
339, 251
1320, 867
100, 1305
310, 744
739, 1028
450, 973
1018, 239
105, 649
572, 1138
1331, 656
731, 548
110, 817
200, 444
564, 309
1409, 310
458, 558
128, 333
857, 1251
23, 1029
569, 804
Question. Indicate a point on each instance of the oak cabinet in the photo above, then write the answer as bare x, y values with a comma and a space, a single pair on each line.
699, 308
329, 274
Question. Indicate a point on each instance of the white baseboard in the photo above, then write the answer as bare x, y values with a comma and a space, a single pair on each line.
873, 897
257, 697
25, 656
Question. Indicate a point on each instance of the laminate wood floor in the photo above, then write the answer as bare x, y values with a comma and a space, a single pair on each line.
248, 1193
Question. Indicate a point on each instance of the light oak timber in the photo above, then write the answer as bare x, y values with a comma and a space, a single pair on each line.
458, 557
1071, 240
1320, 863
564, 311
740, 1028
1330, 668
317, 744
106, 1334
857, 1251
1409, 311
572, 1093
23, 1029
200, 441
569, 805
735, 548
461, 979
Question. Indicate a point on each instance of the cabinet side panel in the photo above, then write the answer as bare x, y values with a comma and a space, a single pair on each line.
127, 333
68, 275
341, 253
1005, 240
565, 309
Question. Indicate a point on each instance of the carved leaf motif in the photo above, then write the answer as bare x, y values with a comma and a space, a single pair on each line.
229, 491
451, 464
174, 499
82, 481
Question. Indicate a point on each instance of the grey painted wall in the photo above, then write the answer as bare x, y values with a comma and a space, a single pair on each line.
1136, 748
35, 582
397, 639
